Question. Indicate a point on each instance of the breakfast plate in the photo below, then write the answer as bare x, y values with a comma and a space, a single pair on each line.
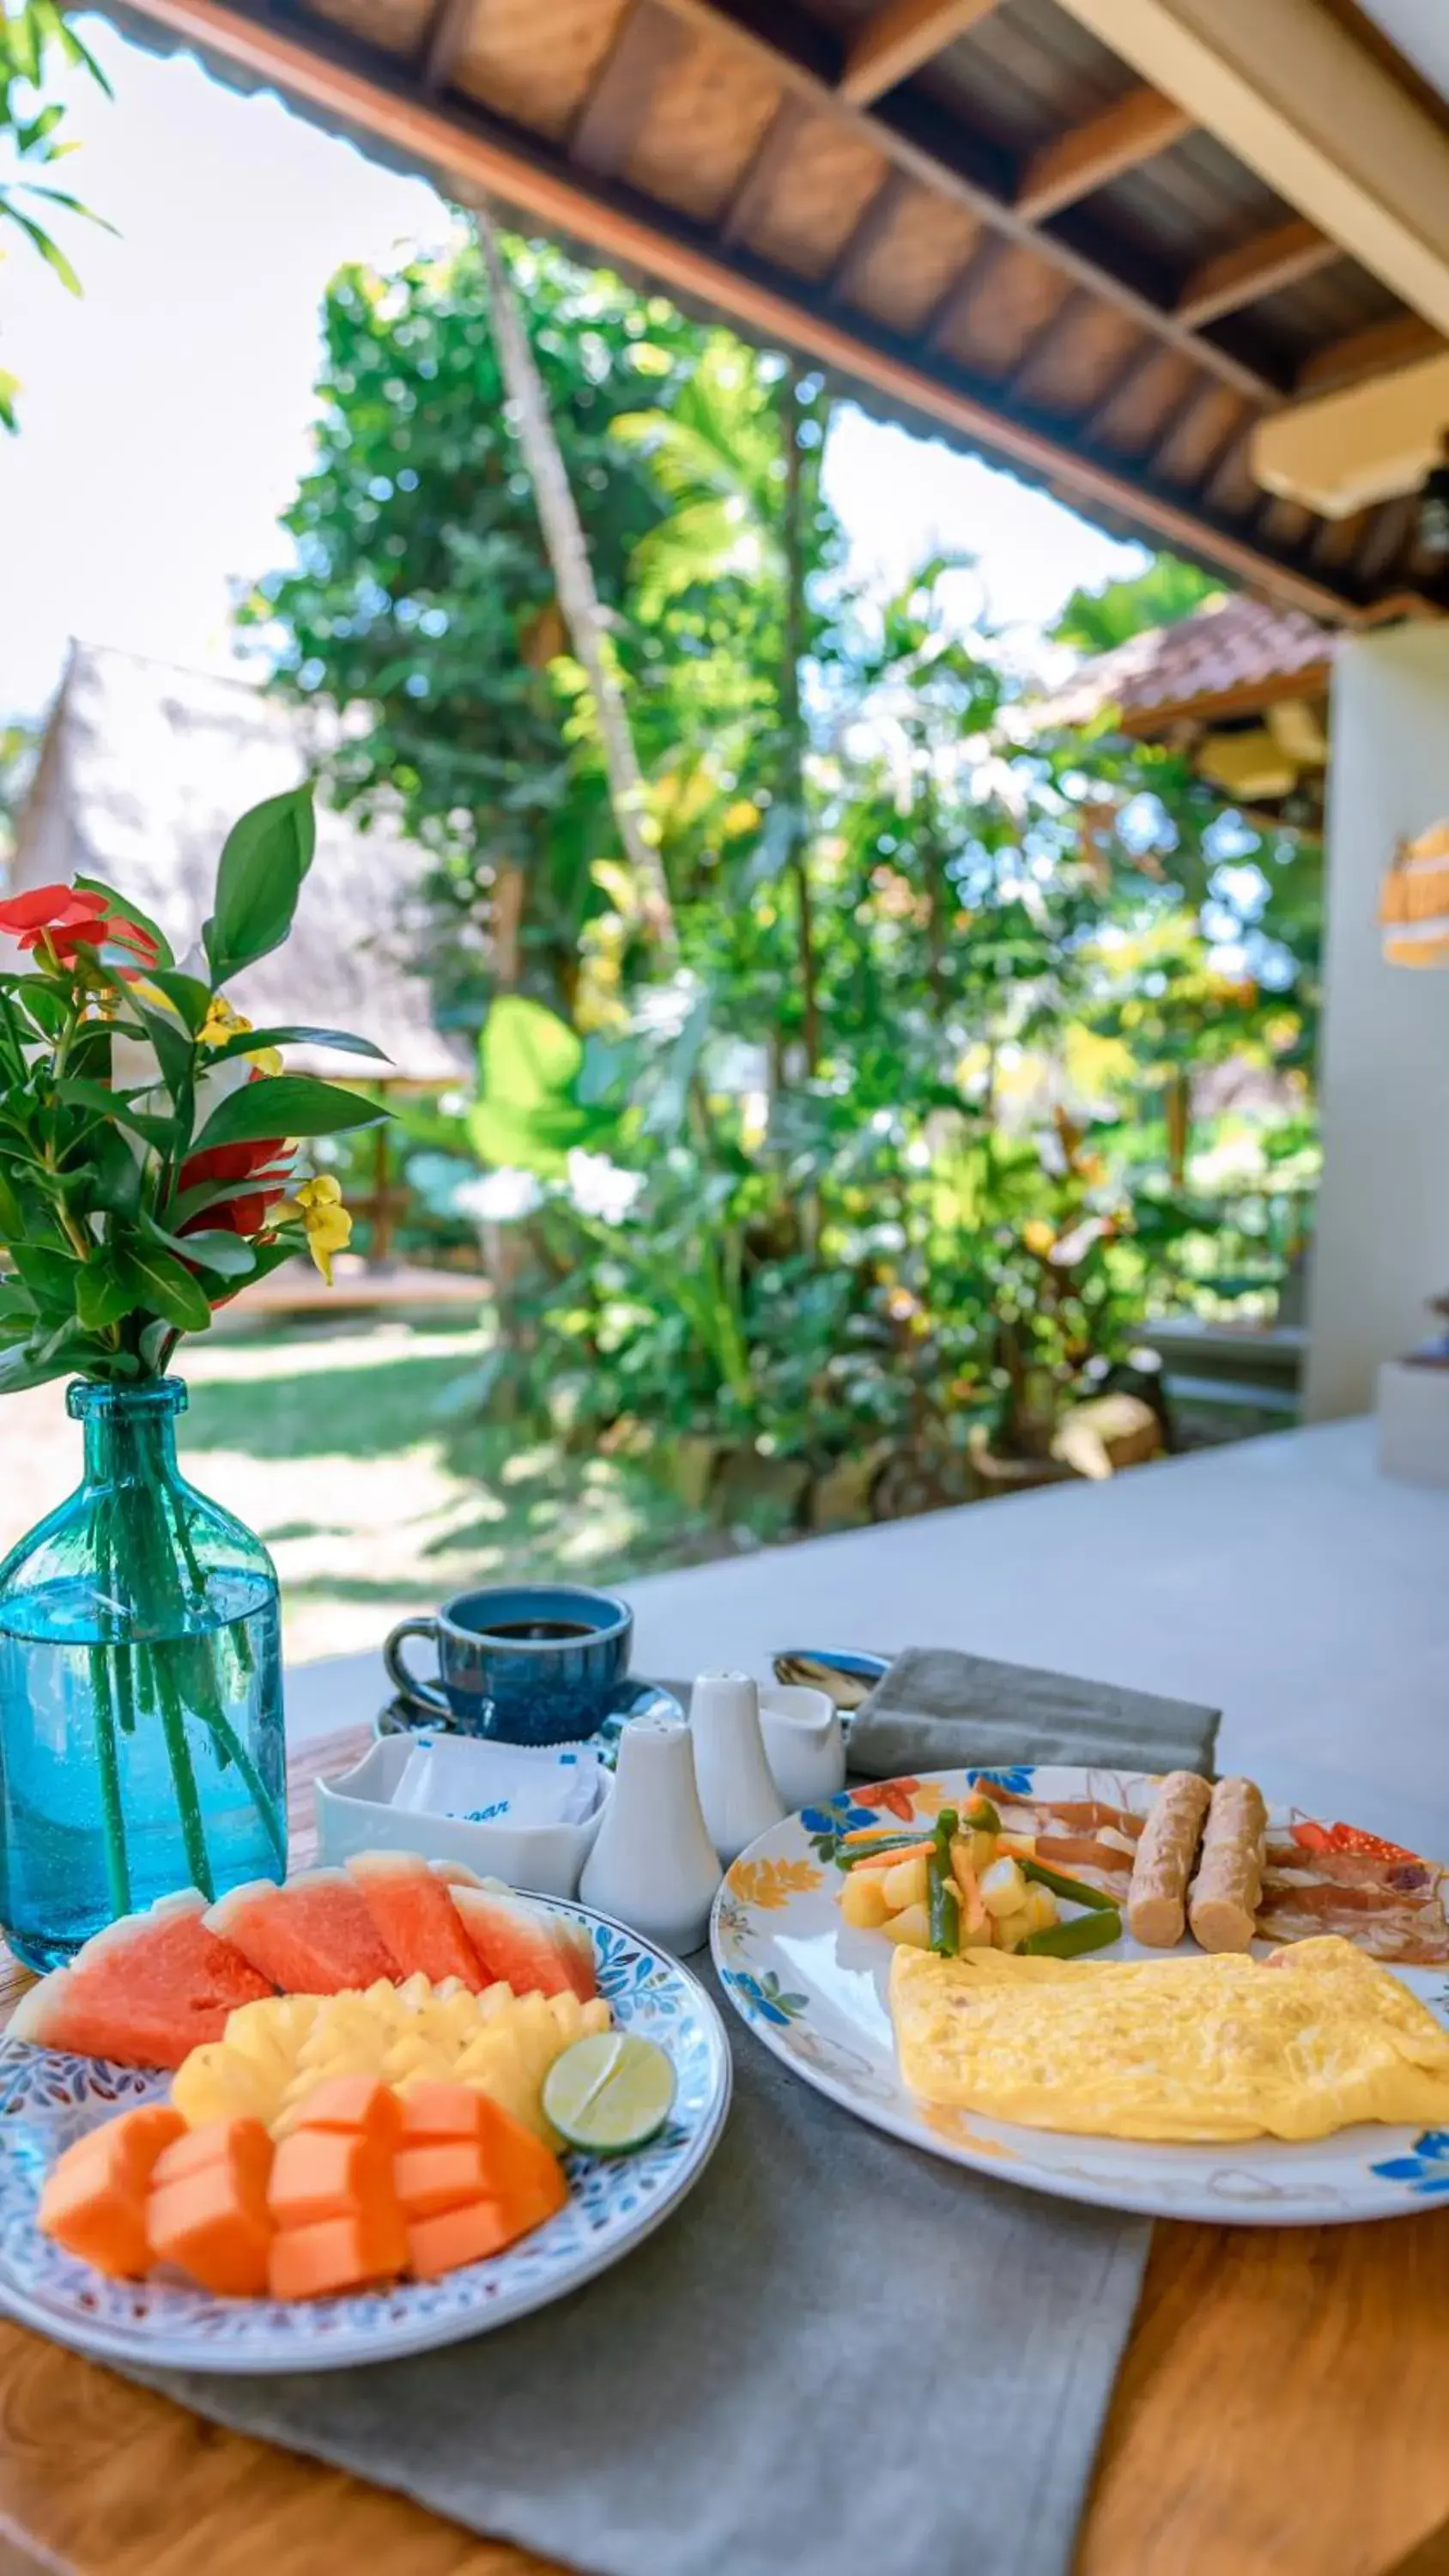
49, 2097
815, 1991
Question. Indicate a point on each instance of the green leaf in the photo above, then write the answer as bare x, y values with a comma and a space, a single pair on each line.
527, 1053
50, 251
102, 1293
122, 904
266, 857
154, 1340
175, 1050
110, 1176
159, 1284
83, 1094
186, 993
24, 1368
251, 1042
529, 1115
213, 1247
283, 1105
12, 1215
50, 1276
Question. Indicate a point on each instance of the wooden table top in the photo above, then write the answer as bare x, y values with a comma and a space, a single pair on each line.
1281, 2408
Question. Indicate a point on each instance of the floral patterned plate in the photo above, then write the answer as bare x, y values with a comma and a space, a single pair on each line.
48, 2098
815, 1992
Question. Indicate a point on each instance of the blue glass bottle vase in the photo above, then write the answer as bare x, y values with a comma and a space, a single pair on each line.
141, 1739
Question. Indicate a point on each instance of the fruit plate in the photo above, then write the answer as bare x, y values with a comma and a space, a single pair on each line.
47, 2098
815, 1992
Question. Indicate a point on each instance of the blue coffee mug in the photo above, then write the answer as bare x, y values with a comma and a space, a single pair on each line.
530, 1663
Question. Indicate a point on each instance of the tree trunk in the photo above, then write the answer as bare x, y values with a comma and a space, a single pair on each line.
573, 572
1179, 1125
792, 727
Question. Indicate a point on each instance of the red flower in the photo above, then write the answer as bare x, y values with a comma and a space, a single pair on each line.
230, 1162
67, 919
245, 1211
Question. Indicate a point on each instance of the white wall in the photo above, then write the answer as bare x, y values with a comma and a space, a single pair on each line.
1383, 1226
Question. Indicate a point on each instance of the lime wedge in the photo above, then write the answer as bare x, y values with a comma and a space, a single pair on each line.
609, 2092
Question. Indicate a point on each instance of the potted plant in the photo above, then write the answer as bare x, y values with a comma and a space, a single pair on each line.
148, 1170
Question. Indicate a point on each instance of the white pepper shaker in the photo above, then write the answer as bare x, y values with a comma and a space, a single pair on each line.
736, 1786
653, 1865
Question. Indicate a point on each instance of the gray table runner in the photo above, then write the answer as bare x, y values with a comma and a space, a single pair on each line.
840, 2357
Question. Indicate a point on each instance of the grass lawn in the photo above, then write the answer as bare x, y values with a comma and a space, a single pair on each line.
375, 1494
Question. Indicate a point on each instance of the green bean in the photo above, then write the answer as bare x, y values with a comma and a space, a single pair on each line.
1075, 1890
943, 1908
1069, 1940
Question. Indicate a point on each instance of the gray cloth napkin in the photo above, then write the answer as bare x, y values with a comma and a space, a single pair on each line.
840, 2357
936, 1709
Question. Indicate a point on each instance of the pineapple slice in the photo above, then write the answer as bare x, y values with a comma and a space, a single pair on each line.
277, 2051
219, 2082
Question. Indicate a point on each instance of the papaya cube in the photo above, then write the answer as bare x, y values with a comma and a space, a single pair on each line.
213, 2224
242, 2140
440, 2176
337, 2254
453, 2237
433, 2114
94, 2199
326, 2173
518, 2165
360, 2102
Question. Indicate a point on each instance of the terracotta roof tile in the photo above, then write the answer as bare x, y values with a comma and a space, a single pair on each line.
1231, 644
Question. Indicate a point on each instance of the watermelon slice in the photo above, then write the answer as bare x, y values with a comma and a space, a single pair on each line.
314, 1936
408, 1900
144, 1992
536, 1952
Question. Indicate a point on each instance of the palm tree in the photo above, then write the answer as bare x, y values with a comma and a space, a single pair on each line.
578, 595
738, 456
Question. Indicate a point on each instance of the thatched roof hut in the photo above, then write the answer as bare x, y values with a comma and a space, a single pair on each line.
141, 772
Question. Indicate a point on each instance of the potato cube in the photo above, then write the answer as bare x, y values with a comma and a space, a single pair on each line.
863, 1900
1041, 1905
906, 1883
913, 1927
1011, 1929
1003, 1889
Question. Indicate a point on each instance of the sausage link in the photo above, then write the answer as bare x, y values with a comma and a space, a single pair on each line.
1223, 1900
1164, 1858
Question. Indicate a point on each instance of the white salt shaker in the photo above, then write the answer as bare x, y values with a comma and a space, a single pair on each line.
736, 1787
653, 1865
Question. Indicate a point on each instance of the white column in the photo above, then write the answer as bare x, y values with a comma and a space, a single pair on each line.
1383, 1222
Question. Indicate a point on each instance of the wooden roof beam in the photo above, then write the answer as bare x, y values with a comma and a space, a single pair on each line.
1292, 92
1255, 268
612, 117
1375, 351
346, 83
1134, 129
899, 38
920, 138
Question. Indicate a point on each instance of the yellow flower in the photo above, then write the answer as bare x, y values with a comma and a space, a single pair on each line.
222, 1022
318, 1205
1038, 1236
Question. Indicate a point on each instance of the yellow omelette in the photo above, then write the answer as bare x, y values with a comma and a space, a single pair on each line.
1203, 2048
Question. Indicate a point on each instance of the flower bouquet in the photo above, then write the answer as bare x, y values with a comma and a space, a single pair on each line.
148, 1170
